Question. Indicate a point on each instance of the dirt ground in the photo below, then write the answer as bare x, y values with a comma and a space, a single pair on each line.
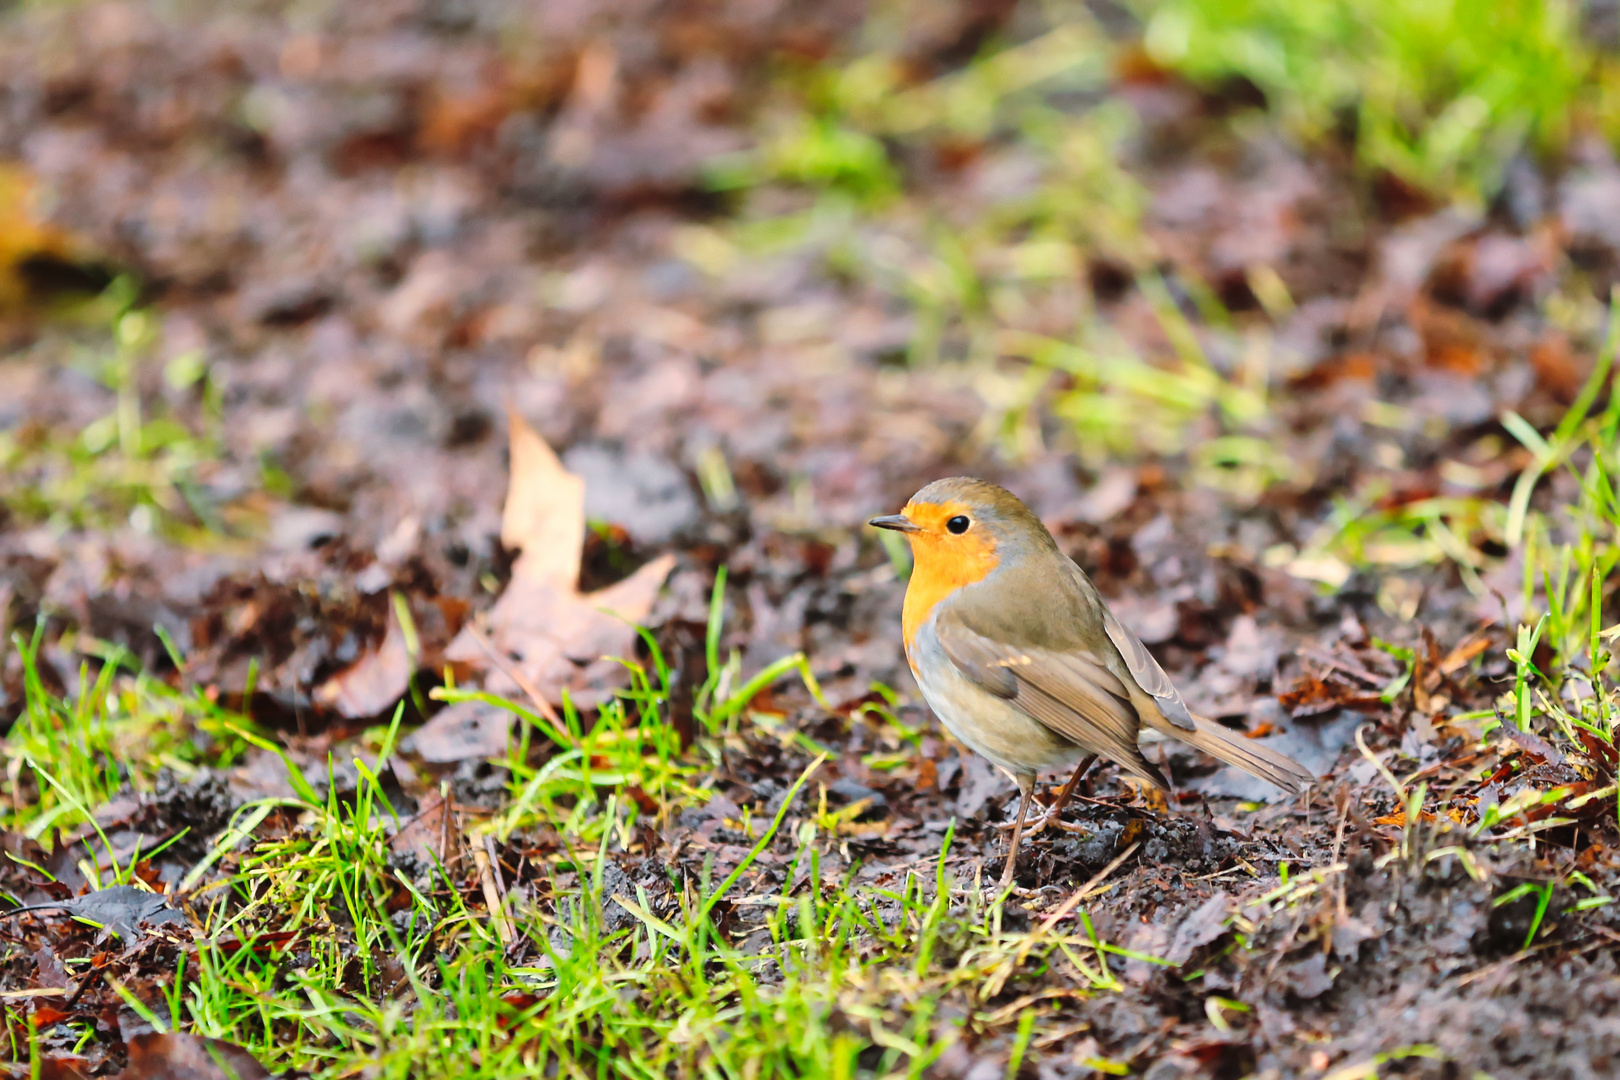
385, 229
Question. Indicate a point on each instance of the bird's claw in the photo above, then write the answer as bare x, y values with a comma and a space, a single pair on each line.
1040, 824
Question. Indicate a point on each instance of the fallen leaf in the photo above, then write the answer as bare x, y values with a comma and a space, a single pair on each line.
1458, 658
425, 835
49, 971
46, 1015
1554, 363
69, 1067
21, 232
467, 730
1398, 818
1349, 932
1533, 744
259, 943
1310, 978
544, 517
545, 631
980, 784
374, 683
1312, 695
1599, 751
1202, 926
1150, 794
123, 909
174, 1056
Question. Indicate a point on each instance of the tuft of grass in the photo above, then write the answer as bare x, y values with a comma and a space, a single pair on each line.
66, 755
323, 950
846, 982
1442, 93
142, 464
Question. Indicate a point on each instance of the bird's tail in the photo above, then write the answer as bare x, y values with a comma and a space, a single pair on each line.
1235, 749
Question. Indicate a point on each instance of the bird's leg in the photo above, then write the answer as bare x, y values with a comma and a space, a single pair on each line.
1053, 815
1026, 787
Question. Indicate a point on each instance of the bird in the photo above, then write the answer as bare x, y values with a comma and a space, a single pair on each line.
1018, 655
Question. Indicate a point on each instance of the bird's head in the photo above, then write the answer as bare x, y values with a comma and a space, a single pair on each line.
961, 529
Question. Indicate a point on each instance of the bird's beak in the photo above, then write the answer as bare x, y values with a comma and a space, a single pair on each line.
897, 522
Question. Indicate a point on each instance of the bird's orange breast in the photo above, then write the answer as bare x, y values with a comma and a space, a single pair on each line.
941, 565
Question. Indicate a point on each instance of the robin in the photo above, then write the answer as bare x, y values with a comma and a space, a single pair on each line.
1021, 660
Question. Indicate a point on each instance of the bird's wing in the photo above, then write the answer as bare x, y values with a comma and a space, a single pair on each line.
1147, 673
1070, 692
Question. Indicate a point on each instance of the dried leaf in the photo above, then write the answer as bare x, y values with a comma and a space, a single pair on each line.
1459, 657
44, 1016
373, 684
22, 233
1534, 745
467, 730
64, 1068
125, 910
1599, 751
173, 1056
1310, 978
425, 834
544, 516
1202, 926
1398, 818
554, 636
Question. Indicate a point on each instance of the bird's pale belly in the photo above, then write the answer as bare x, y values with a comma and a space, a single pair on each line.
988, 725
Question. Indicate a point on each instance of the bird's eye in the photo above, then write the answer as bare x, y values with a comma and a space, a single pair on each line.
958, 524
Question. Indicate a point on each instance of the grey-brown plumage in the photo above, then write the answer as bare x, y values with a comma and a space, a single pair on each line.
1036, 631
1021, 659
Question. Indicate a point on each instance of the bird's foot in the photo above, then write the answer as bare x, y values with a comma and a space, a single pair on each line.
1050, 819
1037, 823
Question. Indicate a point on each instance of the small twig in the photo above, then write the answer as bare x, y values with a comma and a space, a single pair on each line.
93, 975
1027, 944
1437, 766
492, 896
445, 811
891, 869
1112, 804
1491, 969
1338, 845
495, 864
1089, 887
